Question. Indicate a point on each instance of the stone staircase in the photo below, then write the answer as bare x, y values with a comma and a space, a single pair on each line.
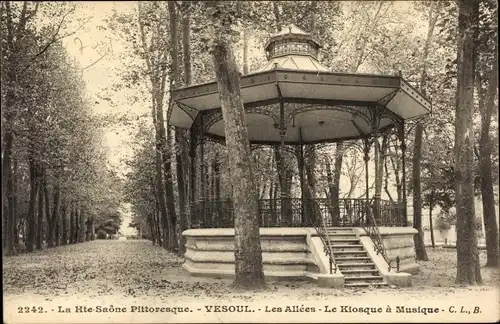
352, 259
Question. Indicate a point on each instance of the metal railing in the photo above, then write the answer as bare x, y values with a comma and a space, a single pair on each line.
372, 230
298, 213
322, 231
392, 213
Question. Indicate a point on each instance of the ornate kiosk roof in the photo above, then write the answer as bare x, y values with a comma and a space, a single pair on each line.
318, 105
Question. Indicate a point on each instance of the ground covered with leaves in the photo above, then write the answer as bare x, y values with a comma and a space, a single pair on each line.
135, 271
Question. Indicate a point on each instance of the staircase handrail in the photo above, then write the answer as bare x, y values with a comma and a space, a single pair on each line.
321, 230
374, 233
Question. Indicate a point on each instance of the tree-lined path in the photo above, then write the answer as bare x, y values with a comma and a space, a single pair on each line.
132, 272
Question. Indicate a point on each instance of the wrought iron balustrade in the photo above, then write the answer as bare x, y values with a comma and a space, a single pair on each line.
298, 213
392, 213
318, 221
370, 226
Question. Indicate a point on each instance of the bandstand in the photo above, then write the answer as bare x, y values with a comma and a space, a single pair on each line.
295, 101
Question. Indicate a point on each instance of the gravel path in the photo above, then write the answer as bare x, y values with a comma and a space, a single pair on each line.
115, 274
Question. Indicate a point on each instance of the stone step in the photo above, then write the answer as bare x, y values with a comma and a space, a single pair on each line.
341, 236
365, 284
344, 241
353, 266
360, 259
350, 253
359, 272
349, 247
351, 279
340, 230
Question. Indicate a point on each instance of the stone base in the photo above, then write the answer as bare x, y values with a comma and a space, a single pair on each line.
398, 242
295, 253
285, 253
330, 281
399, 279
224, 273
412, 268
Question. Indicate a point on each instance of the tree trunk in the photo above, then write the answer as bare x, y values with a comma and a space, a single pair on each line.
30, 221
310, 185
248, 254
11, 233
386, 180
82, 227
151, 223
12, 225
7, 177
417, 150
245, 52
41, 204
181, 188
339, 157
468, 267
164, 177
333, 195
160, 189
420, 251
431, 207
277, 15
273, 196
92, 228
158, 228
158, 216
72, 216
488, 200
57, 233
88, 229
285, 187
56, 214
78, 215
169, 196
64, 225
22, 226
396, 166
51, 219
486, 108
179, 133
380, 166
186, 44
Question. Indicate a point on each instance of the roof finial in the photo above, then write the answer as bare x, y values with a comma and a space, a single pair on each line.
290, 29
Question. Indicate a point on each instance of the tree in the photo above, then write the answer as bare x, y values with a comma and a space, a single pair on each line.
487, 64
140, 185
433, 16
155, 53
181, 156
53, 142
248, 255
468, 267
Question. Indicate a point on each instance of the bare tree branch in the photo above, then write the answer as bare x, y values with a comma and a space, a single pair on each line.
33, 13
10, 28
22, 20
88, 66
55, 38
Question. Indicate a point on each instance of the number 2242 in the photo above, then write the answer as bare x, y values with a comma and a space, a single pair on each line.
27, 309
